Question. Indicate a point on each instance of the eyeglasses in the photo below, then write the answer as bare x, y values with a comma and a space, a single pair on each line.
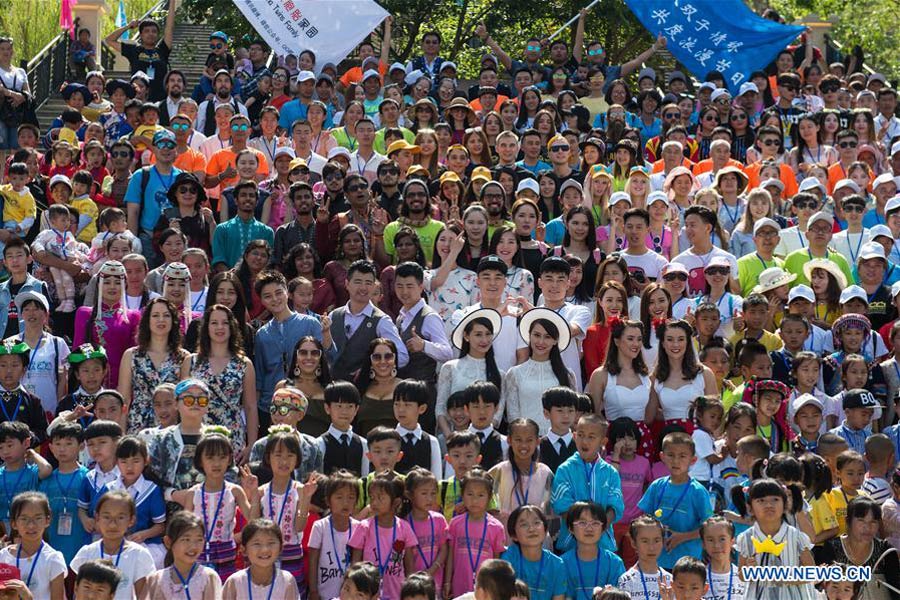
283, 410
378, 357
201, 401
672, 115
334, 177
309, 353
187, 189
738, 117
216, 46
769, 142
121, 154
854, 208
767, 235
675, 277
356, 188
718, 271
588, 524
801, 204
280, 77
559, 148
180, 126
723, 101
30, 521
242, 127
711, 118
819, 230
166, 145
848, 144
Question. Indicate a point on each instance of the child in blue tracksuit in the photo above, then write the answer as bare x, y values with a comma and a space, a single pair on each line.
678, 501
586, 477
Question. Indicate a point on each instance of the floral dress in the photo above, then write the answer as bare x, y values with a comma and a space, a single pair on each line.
226, 404
457, 292
144, 379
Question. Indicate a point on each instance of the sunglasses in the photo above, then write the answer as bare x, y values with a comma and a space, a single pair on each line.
187, 189
675, 277
282, 409
201, 401
791, 88
848, 144
718, 271
738, 117
723, 101
769, 142
595, 52
533, 48
166, 145
827, 89
559, 76
806, 204
356, 188
334, 177
390, 171
383, 357
122, 154
301, 170
242, 127
856, 208
180, 126
672, 115
559, 148
216, 46
711, 118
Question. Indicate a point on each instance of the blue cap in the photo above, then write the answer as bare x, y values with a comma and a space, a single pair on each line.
163, 135
187, 384
219, 35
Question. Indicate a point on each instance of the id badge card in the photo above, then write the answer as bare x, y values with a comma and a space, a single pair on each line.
151, 72
64, 525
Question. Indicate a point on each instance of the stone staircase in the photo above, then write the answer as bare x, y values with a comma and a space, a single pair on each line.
190, 45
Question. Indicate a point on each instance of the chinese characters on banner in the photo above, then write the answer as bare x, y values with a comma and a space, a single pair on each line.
720, 35
330, 28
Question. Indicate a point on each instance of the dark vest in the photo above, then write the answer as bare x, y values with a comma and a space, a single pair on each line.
163, 108
491, 451
341, 456
550, 456
420, 365
352, 351
209, 128
417, 454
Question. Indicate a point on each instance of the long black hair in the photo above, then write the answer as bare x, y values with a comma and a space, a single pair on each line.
365, 375
591, 239
690, 367
613, 363
243, 270
556, 362
490, 365
645, 310
289, 265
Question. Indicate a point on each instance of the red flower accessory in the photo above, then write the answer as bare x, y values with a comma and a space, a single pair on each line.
658, 322
398, 546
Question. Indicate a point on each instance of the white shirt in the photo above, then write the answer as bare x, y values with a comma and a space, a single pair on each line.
650, 263
630, 581
790, 239
42, 375
134, 563
848, 244
50, 565
696, 264
315, 162
578, 316
505, 342
367, 167
893, 129
200, 123
331, 550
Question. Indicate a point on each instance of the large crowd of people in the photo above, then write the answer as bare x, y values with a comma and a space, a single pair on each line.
577, 331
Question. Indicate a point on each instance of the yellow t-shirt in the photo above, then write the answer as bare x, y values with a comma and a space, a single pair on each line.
68, 135
146, 131
18, 208
821, 514
86, 208
838, 500
771, 341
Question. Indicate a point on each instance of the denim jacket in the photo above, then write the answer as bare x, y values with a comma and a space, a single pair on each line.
32, 284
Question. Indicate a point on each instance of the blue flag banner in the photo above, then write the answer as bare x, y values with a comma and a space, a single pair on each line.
715, 35
122, 19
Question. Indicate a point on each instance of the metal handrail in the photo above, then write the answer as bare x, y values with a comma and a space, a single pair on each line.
49, 68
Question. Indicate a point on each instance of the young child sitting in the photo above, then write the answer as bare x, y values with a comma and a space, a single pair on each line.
59, 241
82, 183
19, 209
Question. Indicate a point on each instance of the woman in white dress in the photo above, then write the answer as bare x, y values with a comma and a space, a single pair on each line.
547, 335
473, 337
449, 287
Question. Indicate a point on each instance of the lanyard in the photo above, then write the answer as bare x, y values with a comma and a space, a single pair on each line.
730, 581
383, 566
162, 181
800, 235
732, 218
662, 496
287, 495
774, 442
537, 583
341, 564
596, 580
9, 497
201, 299
858, 245
250, 585
65, 492
271, 153
62, 241
474, 563
37, 556
185, 582
644, 581
209, 528
35, 351
589, 476
412, 524
761, 261
118, 556
526, 488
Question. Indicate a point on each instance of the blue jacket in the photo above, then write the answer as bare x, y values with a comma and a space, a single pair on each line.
31, 284
575, 481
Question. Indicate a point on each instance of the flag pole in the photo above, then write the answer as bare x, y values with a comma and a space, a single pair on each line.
572, 20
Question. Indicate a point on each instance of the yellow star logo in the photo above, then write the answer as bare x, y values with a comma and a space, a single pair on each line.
658, 513
768, 546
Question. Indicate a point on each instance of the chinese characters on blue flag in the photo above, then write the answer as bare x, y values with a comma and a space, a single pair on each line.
715, 35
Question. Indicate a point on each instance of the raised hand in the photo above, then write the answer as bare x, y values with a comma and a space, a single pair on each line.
415, 343
323, 213
249, 482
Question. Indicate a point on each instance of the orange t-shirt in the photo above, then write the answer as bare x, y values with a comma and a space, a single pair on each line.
220, 161
706, 165
476, 103
355, 74
836, 172
787, 178
659, 165
190, 161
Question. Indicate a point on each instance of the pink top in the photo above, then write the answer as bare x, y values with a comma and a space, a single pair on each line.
659, 470
285, 587
385, 548
431, 534
636, 476
221, 523
203, 585
468, 550
282, 510
115, 330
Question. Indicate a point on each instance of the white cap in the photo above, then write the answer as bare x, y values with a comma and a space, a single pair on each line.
284, 151
765, 222
619, 197
717, 261
895, 148
397, 67
657, 196
709, 85
748, 86
60, 178
803, 292
528, 184
804, 399
851, 292
772, 181
871, 250
413, 76
674, 267
880, 231
892, 205
820, 216
812, 183
305, 76
371, 73
448, 64
877, 77
847, 183
338, 151
718, 93
886, 178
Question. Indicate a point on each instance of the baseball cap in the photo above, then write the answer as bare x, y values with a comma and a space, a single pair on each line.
847, 184
895, 289
619, 197
492, 262
219, 35
707, 85
163, 135
895, 148
23, 297
571, 183
747, 87
657, 196
371, 73
528, 184
880, 231
765, 222
674, 267
892, 205
60, 178
448, 64
801, 292
305, 76
773, 181
717, 261
877, 77
820, 216
338, 151
718, 93
885, 178
859, 398
871, 250
851, 292
397, 67
675, 75
284, 151
812, 183
805, 399
647, 72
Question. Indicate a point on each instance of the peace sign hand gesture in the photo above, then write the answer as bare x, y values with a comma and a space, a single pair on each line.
323, 213
249, 482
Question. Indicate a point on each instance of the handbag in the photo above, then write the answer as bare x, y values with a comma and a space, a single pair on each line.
12, 116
